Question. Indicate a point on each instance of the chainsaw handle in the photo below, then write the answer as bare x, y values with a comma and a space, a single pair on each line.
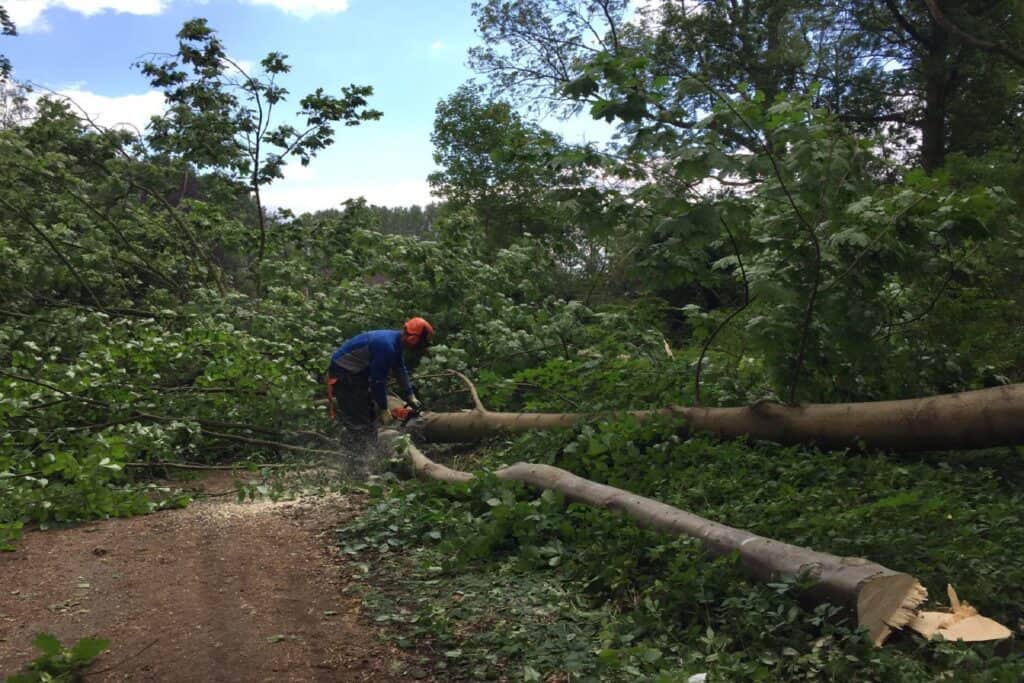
405, 414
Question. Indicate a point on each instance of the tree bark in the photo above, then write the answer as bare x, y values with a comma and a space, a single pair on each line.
882, 598
985, 418
936, 89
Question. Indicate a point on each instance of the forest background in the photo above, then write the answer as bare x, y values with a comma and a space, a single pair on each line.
804, 201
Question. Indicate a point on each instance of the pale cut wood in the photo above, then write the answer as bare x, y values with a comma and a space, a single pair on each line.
962, 622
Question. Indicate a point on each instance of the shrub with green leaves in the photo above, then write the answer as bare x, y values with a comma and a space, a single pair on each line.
58, 663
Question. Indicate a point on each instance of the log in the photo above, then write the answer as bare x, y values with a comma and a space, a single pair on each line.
985, 418
883, 599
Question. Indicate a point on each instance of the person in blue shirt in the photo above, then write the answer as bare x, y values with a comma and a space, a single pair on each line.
357, 376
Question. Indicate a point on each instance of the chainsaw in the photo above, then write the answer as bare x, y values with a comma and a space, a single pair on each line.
405, 414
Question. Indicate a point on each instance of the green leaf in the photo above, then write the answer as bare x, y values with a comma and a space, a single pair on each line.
47, 643
86, 649
651, 655
530, 674
582, 87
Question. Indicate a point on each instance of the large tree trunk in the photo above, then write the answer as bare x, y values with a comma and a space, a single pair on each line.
973, 419
882, 598
936, 91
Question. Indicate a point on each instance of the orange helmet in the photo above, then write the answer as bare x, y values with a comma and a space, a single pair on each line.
418, 333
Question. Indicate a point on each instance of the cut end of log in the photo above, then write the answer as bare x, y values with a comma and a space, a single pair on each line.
891, 602
888, 602
962, 622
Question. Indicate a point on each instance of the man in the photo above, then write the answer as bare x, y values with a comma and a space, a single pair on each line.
357, 376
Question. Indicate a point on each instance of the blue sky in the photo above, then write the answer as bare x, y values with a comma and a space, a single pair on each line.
412, 52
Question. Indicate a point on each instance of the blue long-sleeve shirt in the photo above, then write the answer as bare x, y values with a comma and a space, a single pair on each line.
379, 351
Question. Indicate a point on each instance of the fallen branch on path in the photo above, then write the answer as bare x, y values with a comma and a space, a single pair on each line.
236, 466
273, 444
144, 416
125, 659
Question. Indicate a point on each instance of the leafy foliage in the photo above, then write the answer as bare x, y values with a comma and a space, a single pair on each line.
219, 116
7, 28
498, 166
58, 663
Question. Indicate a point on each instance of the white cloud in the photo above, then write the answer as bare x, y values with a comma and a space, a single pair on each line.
302, 197
437, 45
647, 5
305, 9
246, 65
646, 14
297, 172
29, 15
126, 111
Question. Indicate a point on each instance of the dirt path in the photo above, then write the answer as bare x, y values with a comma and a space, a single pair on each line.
219, 591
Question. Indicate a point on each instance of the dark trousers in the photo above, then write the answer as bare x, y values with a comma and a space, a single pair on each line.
352, 397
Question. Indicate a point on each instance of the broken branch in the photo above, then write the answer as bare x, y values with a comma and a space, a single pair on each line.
472, 390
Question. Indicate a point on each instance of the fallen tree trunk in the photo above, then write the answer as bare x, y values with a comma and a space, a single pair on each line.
883, 599
984, 418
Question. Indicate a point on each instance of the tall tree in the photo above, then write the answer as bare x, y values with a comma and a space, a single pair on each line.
7, 28
496, 164
951, 70
220, 117
915, 71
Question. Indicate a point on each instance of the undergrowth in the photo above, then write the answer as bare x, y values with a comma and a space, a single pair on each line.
488, 577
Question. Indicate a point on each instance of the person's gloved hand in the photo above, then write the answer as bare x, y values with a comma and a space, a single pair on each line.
415, 403
384, 417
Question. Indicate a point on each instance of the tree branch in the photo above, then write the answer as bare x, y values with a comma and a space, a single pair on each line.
746, 302
117, 231
813, 296
988, 46
906, 25
472, 390
53, 387
272, 444
53, 247
232, 467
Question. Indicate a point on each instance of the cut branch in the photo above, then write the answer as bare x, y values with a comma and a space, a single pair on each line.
882, 598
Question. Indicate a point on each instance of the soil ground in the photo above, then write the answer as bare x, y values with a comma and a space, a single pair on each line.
217, 591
